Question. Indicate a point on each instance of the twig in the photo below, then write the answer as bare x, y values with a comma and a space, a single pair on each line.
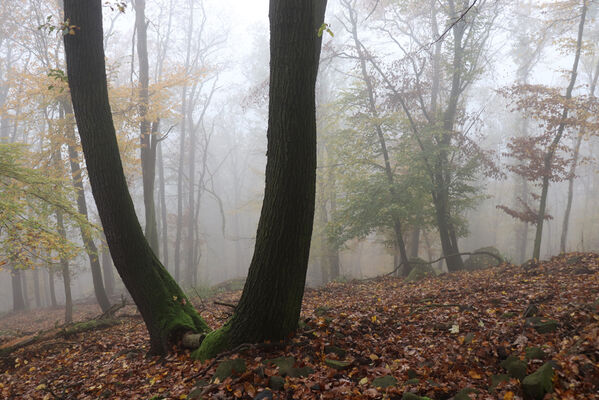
222, 303
488, 253
454, 23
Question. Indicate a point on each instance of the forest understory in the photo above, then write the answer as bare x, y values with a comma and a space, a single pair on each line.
467, 335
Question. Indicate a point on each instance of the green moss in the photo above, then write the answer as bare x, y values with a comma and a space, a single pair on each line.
482, 261
216, 342
537, 384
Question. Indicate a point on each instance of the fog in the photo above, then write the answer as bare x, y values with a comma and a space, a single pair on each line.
208, 77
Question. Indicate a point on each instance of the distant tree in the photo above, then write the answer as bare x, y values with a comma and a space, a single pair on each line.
544, 158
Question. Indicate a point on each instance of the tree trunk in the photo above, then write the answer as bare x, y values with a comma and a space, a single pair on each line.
53, 302
397, 229
107, 271
548, 158
162, 304
88, 241
18, 303
66, 274
572, 174
163, 210
270, 304
36, 288
414, 242
147, 139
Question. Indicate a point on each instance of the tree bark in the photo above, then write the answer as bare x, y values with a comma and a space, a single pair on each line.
18, 303
163, 210
107, 271
53, 302
36, 288
147, 138
548, 158
270, 304
66, 274
161, 302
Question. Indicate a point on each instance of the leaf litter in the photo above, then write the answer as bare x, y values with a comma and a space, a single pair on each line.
442, 337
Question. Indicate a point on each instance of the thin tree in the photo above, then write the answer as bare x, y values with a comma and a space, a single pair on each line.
548, 157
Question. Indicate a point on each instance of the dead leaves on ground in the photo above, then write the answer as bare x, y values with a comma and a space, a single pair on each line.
441, 337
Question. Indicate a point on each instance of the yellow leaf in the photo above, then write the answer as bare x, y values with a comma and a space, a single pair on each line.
508, 395
374, 357
474, 374
182, 397
373, 318
40, 387
363, 381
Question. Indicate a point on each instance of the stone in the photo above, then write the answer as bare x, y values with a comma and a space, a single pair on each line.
384, 381
335, 350
535, 353
229, 368
540, 382
542, 324
264, 395
515, 367
482, 261
276, 383
340, 365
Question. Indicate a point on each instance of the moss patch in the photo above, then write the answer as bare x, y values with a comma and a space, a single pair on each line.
215, 342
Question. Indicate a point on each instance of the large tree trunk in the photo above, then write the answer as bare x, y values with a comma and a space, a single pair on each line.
270, 304
88, 241
162, 304
18, 303
548, 158
147, 138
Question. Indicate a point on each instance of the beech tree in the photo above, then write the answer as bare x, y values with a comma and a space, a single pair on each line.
161, 302
270, 304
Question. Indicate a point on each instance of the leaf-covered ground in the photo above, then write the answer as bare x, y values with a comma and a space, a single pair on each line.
432, 338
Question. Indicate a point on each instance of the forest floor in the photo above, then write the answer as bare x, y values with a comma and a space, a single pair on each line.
432, 338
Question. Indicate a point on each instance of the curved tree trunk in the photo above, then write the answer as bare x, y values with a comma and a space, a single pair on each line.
161, 302
270, 304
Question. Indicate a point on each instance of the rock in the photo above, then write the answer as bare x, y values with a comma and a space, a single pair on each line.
515, 367
285, 364
228, 368
535, 353
413, 381
482, 261
412, 373
321, 311
496, 380
264, 395
276, 383
541, 324
540, 382
464, 394
420, 270
315, 387
384, 381
340, 365
531, 311
300, 372
335, 350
